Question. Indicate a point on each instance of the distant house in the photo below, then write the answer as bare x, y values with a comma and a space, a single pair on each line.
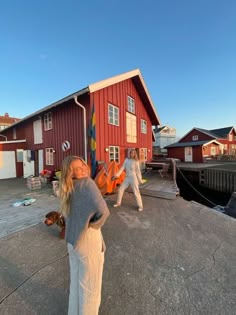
100, 122
199, 144
164, 136
6, 121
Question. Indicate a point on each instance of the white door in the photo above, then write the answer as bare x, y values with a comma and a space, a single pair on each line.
28, 165
40, 157
7, 164
188, 154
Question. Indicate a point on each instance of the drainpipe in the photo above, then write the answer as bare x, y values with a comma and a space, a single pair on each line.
85, 128
4, 137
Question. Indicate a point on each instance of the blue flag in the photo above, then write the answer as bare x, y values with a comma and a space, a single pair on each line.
93, 143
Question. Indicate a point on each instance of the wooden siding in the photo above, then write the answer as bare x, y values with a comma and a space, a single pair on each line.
110, 135
176, 153
219, 180
67, 126
206, 150
14, 147
198, 152
67, 121
20, 133
201, 136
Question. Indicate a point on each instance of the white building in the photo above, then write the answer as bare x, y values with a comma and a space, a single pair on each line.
164, 135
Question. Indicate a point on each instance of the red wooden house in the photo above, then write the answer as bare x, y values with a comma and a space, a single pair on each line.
200, 144
99, 123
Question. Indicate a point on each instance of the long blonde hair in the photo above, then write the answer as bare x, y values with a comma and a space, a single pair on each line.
66, 183
135, 156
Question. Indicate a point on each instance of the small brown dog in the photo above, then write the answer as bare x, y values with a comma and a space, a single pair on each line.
56, 217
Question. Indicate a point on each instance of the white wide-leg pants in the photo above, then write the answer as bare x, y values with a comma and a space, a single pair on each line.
86, 267
133, 182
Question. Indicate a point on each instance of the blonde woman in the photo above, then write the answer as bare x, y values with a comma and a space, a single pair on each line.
133, 178
85, 211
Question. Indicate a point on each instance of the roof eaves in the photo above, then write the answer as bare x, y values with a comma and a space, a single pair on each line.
207, 132
121, 77
65, 99
192, 144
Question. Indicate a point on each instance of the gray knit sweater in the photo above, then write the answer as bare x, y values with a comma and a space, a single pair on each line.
88, 209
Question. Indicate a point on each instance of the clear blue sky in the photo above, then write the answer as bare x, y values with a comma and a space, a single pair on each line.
185, 49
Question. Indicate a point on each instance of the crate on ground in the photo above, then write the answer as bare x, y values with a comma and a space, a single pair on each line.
55, 187
34, 183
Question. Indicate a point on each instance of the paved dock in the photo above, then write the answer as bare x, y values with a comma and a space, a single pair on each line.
176, 257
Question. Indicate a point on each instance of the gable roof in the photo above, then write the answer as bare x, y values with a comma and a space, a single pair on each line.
191, 144
7, 120
222, 132
161, 129
158, 129
214, 133
138, 81
140, 85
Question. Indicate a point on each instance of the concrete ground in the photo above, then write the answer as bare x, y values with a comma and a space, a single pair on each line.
176, 257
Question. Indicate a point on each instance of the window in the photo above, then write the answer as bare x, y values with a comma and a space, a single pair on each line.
231, 137
38, 134
47, 121
143, 126
49, 156
19, 155
131, 128
213, 151
131, 105
114, 154
195, 138
113, 115
14, 133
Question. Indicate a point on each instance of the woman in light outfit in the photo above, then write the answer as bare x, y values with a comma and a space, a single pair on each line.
133, 178
85, 211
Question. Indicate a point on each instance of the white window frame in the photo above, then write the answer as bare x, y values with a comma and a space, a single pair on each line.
113, 115
131, 128
143, 126
195, 138
131, 104
47, 121
19, 155
231, 137
114, 153
213, 150
49, 156
38, 134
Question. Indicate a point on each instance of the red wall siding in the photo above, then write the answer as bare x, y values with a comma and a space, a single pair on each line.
107, 134
20, 134
197, 154
67, 125
207, 149
176, 153
14, 147
201, 136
